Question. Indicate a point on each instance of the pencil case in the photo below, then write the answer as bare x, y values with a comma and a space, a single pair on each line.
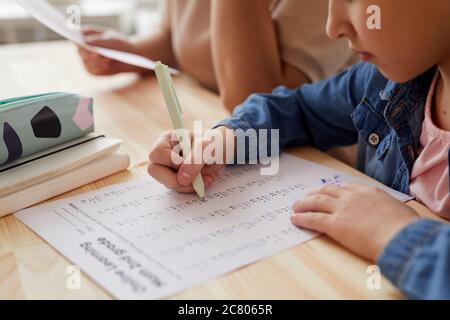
34, 123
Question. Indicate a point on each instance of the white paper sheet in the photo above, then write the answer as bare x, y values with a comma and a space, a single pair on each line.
49, 16
139, 240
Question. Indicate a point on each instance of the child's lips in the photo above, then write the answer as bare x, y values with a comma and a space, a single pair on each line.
364, 55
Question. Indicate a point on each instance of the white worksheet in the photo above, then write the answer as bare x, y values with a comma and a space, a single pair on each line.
49, 16
139, 240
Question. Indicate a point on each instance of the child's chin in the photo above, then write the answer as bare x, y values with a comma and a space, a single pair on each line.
396, 76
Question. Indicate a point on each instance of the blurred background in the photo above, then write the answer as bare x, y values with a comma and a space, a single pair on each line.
127, 16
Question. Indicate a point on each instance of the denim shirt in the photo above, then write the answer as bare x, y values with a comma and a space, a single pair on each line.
385, 118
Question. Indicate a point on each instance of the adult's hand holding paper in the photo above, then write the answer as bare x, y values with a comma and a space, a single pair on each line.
49, 16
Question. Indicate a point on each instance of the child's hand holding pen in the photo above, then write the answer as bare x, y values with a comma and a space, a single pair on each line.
169, 168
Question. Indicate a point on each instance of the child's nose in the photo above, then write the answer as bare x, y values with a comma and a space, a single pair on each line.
338, 25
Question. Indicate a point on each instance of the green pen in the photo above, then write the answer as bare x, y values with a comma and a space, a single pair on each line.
175, 113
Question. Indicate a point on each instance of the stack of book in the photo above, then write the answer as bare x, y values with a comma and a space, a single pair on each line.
49, 147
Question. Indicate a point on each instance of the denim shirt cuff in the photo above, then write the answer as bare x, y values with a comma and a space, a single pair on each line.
398, 256
233, 123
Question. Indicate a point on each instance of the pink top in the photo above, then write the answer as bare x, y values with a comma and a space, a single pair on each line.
429, 177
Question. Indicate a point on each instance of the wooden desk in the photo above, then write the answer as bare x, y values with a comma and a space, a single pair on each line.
132, 109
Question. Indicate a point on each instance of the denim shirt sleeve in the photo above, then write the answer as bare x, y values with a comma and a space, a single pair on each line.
417, 260
316, 114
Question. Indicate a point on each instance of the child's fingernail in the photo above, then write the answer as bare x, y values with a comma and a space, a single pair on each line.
185, 178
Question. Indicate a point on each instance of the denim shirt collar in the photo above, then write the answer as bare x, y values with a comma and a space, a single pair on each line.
404, 112
394, 113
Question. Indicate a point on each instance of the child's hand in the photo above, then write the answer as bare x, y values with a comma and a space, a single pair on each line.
363, 219
102, 66
169, 168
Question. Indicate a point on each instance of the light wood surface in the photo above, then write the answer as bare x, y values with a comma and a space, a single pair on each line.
132, 108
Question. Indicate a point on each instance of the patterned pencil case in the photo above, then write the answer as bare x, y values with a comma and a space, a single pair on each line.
34, 123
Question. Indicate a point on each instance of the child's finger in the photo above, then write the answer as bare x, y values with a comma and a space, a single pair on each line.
209, 180
192, 165
355, 186
168, 140
316, 203
362, 187
168, 178
212, 169
316, 221
188, 173
163, 151
331, 190
166, 157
